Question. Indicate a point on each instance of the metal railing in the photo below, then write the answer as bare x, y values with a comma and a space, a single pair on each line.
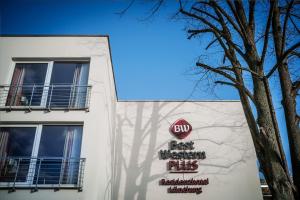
41, 172
45, 96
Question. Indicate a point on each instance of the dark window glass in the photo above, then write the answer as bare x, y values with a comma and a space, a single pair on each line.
68, 79
59, 155
27, 84
16, 145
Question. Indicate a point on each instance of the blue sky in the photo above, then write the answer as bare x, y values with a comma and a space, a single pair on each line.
153, 59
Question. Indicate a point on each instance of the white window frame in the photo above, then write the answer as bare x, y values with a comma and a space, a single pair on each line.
47, 83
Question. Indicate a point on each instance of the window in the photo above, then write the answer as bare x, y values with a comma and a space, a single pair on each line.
49, 85
70, 80
25, 76
28, 156
15, 142
67, 142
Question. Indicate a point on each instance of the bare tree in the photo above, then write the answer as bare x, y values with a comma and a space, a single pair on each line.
233, 27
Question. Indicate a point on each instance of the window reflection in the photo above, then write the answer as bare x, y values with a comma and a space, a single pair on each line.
15, 143
67, 143
56, 159
70, 80
23, 91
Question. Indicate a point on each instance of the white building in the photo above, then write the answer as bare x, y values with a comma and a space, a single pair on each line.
65, 135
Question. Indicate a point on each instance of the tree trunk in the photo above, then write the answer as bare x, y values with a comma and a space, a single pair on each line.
293, 130
288, 99
271, 156
266, 145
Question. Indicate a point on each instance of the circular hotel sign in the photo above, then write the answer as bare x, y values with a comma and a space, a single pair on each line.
181, 128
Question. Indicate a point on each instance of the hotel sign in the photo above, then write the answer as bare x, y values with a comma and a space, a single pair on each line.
182, 158
181, 128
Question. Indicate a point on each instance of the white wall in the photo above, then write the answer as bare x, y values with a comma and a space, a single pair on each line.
219, 129
97, 122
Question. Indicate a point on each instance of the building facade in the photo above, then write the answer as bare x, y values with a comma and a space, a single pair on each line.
65, 135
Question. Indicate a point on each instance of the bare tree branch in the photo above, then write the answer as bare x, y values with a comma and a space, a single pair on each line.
266, 35
294, 24
154, 9
295, 53
251, 14
203, 20
195, 32
226, 34
238, 86
241, 13
285, 24
231, 6
122, 12
211, 43
234, 25
206, 13
296, 87
225, 68
218, 71
250, 71
218, 33
296, 16
214, 29
282, 58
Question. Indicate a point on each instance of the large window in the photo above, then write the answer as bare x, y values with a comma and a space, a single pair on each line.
50, 85
41, 155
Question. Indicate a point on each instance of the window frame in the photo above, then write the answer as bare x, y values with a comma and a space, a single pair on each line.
34, 154
46, 81
45, 94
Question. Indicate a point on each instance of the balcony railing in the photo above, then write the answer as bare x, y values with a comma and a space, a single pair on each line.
41, 172
70, 97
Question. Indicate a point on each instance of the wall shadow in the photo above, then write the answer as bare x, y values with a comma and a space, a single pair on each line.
131, 172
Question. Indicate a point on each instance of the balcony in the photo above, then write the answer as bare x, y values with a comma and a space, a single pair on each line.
45, 97
41, 173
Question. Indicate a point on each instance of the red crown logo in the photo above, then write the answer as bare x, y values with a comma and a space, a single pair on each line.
181, 128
